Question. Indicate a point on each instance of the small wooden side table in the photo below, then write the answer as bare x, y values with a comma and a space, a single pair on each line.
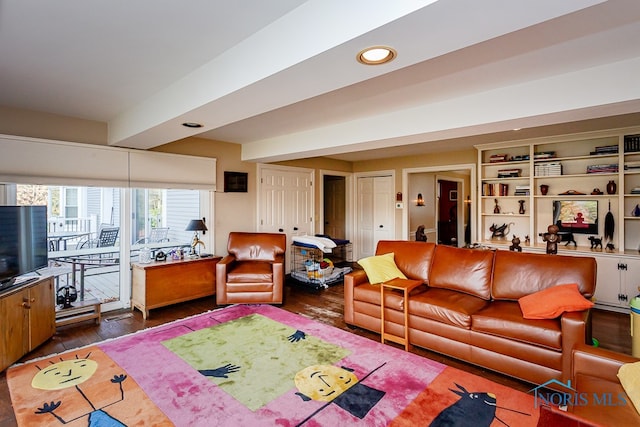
406, 286
162, 283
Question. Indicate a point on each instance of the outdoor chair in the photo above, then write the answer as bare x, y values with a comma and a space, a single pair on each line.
157, 235
107, 236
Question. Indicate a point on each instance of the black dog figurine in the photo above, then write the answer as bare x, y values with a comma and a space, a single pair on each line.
595, 242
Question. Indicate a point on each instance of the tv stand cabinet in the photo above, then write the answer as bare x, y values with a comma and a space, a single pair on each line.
28, 319
163, 283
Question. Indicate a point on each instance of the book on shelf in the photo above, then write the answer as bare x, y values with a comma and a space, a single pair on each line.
544, 155
605, 149
498, 158
522, 190
631, 143
488, 189
632, 165
609, 168
509, 173
548, 169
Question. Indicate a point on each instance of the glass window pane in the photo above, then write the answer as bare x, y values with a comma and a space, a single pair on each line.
83, 250
161, 216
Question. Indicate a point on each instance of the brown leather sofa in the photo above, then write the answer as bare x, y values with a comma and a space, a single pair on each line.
253, 271
594, 376
467, 307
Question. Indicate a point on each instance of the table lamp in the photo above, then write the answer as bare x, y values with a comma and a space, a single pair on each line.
196, 225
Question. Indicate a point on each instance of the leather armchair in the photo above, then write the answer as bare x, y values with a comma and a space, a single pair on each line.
253, 270
594, 373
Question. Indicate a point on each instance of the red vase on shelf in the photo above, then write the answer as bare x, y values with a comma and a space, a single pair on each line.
611, 187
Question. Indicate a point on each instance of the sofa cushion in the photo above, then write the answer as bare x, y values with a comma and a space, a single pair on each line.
380, 268
504, 319
412, 258
446, 306
463, 270
516, 274
552, 302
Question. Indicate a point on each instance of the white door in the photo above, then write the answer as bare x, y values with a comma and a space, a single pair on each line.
375, 213
286, 202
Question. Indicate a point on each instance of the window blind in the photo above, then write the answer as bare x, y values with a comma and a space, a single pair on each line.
38, 161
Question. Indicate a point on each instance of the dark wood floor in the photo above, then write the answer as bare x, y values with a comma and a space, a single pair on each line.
611, 329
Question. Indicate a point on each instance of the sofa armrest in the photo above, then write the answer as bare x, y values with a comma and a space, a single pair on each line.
576, 330
595, 373
351, 280
598, 362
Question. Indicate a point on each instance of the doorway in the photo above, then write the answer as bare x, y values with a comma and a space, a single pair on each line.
448, 233
426, 182
334, 197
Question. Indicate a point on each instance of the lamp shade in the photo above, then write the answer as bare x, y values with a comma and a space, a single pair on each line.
196, 225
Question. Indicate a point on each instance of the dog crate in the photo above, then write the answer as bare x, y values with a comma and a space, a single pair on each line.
311, 266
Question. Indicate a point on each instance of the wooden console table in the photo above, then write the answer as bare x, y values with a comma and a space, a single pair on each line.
406, 286
163, 283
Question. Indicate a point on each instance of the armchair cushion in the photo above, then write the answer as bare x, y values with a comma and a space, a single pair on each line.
380, 268
250, 272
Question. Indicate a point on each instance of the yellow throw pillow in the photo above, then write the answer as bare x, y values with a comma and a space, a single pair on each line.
629, 376
552, 302
380, 268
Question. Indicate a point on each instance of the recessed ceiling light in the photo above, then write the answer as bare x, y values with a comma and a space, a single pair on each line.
376, 55
191, 125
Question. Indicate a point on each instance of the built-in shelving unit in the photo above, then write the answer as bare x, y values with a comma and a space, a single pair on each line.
578, 167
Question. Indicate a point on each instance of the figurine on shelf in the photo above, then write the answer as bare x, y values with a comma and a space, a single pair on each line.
496, 208
552, 238
521, 211
500, 232
515, 244
596, 242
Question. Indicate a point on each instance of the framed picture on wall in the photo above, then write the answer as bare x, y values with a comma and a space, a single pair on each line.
235, 182
453, 195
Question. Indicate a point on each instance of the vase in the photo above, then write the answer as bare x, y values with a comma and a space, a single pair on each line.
544, 189
636, 211
611, 187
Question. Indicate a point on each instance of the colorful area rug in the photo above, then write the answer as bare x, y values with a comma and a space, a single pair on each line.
255, 365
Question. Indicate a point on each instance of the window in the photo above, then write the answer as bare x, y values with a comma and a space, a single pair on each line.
86, 243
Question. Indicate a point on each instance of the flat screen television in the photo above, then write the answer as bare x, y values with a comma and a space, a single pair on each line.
576, 216
23, 241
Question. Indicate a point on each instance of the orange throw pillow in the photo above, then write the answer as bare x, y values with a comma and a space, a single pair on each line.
552, 302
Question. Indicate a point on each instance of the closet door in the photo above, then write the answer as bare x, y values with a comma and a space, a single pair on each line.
286, 202
375, 213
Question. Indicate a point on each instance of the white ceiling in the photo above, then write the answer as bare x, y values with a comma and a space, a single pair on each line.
280, 76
